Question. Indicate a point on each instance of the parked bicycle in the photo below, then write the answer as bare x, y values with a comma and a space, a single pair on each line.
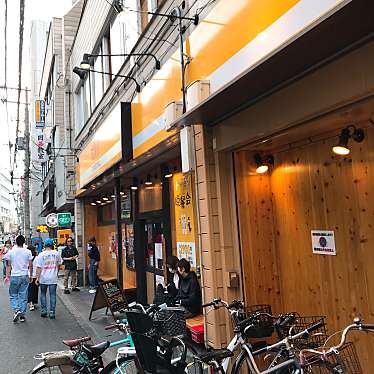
339, 359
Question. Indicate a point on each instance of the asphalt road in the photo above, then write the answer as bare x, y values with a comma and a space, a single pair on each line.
19, 342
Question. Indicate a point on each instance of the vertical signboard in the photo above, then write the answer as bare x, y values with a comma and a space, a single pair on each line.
184, 218
39, 114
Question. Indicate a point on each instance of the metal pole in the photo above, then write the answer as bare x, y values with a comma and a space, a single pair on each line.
117, 190
27, 171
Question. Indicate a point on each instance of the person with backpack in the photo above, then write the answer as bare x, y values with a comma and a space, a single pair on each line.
19, 274
48, 264
33, 291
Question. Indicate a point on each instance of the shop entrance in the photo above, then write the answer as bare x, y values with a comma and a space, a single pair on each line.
154, 254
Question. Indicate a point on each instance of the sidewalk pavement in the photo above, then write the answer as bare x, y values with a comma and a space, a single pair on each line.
79, 305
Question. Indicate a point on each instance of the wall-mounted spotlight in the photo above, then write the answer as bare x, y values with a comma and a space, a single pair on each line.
88, 59
148, 181
263, 163
357, 135
82, 74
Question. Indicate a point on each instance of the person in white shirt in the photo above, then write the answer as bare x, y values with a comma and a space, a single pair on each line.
48, 263
19, 270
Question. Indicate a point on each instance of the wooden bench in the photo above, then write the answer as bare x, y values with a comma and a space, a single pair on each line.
198, 320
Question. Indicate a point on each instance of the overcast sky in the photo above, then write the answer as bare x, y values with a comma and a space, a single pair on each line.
35, 10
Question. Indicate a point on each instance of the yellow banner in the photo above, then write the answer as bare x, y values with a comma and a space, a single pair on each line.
184, 218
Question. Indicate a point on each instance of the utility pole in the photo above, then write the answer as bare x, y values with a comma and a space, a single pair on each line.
27, 170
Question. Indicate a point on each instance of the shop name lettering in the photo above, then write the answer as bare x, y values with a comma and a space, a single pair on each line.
183, 200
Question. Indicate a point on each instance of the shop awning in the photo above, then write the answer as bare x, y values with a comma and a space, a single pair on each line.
347, 29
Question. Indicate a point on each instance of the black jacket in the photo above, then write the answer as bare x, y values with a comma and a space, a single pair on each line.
68, 252
93, 252
189, 293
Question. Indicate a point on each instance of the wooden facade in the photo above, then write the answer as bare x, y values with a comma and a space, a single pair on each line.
310, 188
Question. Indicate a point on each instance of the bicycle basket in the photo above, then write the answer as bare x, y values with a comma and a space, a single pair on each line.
346, 361
170, 322
263, 325
316, 339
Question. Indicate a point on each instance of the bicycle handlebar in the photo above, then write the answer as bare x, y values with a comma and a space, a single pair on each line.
357, 325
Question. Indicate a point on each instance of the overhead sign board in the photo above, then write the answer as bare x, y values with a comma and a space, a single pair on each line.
64, 219
39, 114
51, 220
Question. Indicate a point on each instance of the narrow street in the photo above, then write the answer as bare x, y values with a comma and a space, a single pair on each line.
21, 341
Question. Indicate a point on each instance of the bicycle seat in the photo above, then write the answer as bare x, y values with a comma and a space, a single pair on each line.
95, 350
71, 343
215, 355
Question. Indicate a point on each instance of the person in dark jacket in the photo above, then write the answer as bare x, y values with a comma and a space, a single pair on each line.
69, 255
94, 256
168, 293
189, 293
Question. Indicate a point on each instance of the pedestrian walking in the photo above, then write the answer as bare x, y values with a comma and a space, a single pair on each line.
48, 264
33, 290
7, 247
94, 257
69, 256
19, 271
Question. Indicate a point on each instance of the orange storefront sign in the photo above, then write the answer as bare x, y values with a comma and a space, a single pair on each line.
103, 150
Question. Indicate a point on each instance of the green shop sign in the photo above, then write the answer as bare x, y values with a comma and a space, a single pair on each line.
64, 219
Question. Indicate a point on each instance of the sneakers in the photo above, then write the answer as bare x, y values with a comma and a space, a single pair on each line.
43, 314
92, 290
75, 289
32, 307
16, 316
66, 291
22, 318
52, 315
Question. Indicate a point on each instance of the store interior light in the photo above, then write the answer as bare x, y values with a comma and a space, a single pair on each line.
98, 201
121, 193
148, 182
93, 204
112, 196
342, 148
263, 163
134, 188
105, 199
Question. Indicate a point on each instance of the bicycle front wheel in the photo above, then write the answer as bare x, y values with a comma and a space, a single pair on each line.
126, 365
192, 367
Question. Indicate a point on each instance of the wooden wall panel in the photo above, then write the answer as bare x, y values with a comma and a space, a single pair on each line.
261, 283
310, 188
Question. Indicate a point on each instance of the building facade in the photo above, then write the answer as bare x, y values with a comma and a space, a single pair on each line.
169, 136
38, 41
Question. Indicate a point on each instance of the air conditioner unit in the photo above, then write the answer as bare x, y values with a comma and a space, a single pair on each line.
172, 112
187, 149
197, 92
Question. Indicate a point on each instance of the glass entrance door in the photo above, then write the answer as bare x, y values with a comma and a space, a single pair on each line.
154, 256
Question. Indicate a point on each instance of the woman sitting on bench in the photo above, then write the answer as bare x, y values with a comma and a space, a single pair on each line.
189, 292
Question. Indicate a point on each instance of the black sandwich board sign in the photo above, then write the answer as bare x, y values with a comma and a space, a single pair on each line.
109, 295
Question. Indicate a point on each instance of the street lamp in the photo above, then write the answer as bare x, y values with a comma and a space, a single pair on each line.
87, 60
82, 74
